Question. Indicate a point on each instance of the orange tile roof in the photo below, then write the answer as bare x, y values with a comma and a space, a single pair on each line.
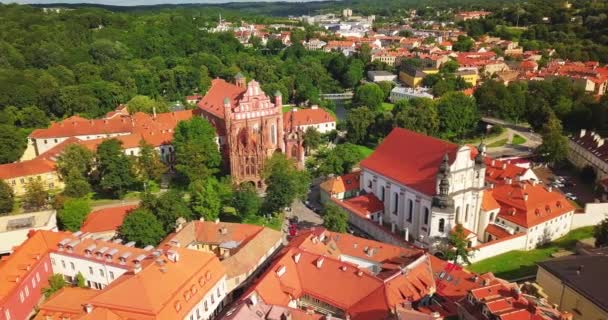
363, 205
78, 126
309, 116
161, 288
213, 101
497, 231
107, 219
488, 203
528, 204
66, 302
26, 255
343, 183
410, 158
26, 168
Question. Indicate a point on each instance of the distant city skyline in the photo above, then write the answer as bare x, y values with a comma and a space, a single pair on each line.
142, 2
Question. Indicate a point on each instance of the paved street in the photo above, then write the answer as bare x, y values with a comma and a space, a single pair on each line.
533, 140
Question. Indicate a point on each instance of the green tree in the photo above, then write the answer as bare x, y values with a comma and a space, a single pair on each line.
167, 208
148, 164
7, 198
81, 282
458, 116
339, 160
205, 201
600, 233
358, 122
75, 157
335, 219
116, 174
246, 201
146, 104
458, 247
285, 183
33, 117
76, 186
463, 44
369, 95
36, 195
354, 73
312, 139
196, 152
72, 215
56, 283
387, 87
418, 115
555, 146
12, 143
141, 226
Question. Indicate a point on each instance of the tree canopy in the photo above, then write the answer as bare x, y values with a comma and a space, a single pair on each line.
196, 152
141, 226
72, 215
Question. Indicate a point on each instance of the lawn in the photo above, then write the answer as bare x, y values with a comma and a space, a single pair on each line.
517, 264
287, 107
387, 106
517, 140
498, 143
365, 151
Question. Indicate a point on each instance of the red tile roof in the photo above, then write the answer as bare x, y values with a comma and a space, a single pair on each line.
213, 101
410, 158
363, 205
497, 231
500, 171
107, 219
488, 203
528, 204
78, 126
26, 168
310, 116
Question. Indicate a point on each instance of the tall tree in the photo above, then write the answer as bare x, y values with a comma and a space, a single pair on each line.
76, 186
335, 219
285, 183
147, 105
167, 208
7, 198
12, 143
458, 246
418, 115
196, 152
74, 212
358, 122
246, 201
312, 139
75, 157
369, 95
555, 146
36, 195
141, 226
458, 116
116, 174
148, 164
600, 233
205, 201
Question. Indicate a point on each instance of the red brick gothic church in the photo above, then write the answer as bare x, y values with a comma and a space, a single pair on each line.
249, 127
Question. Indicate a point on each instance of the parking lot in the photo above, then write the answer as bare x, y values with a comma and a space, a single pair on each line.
572, 183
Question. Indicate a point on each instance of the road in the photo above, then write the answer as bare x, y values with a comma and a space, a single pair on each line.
533, 140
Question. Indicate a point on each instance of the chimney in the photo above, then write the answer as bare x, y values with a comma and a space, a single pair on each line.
319, 262
154, 112
525, 197
281, 271
137, 268
88, 308
296, 257
550, 189
315, 107
583, 132
600, 142
173, 255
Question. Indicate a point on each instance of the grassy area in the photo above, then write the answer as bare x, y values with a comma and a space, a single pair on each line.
387, 106
275, 222
516, 264
365, 151
498, 143
517, 140
287, 107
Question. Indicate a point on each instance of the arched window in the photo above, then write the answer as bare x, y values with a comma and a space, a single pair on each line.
466, 214
410, 212
441, 225
457, 215
491, 216
369, 184
396, 202
426, 215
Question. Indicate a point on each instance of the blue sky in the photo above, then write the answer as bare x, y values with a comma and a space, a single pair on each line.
137, 2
